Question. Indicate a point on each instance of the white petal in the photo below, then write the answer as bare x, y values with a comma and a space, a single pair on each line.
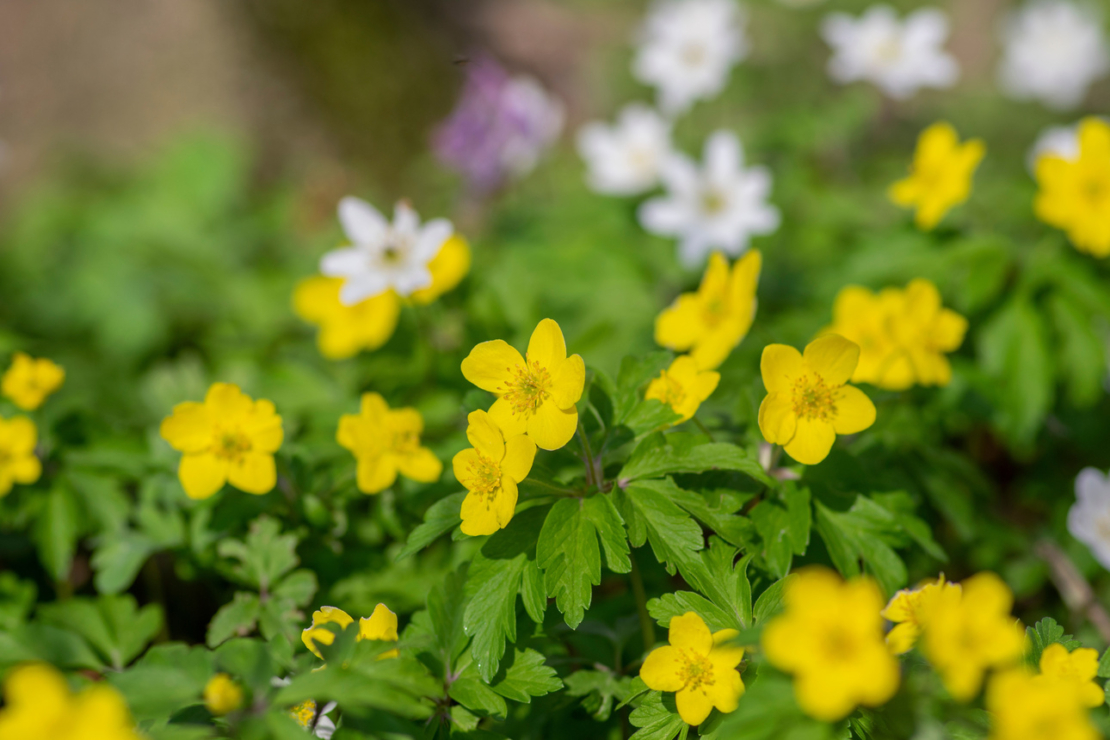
1092, 488
723, 156
405, 219
694, 250
665, 216
361, 222
362, 286
344, 262
413, 277
432, 237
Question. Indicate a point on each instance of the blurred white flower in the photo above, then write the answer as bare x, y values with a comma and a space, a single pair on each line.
1058, 141
899, 57
719, 206
687, 49
800, 3
1089, 517
325, 726
1052, 52
624, 158
383, 255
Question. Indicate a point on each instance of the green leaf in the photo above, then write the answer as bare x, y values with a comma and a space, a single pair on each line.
118, 560
768, 711
635, 373
56, 531
525, 675
477, 697
657, 717
442, 516
113, 625
651, 515
490, 617
769, 602
298, 587
264, 556
1082, 351
1043, 634
599, 688
569, 555
666, 454
1103, 665
603, 514
446, 607
41, 642
650, 415
863, 532
783, 523
235, 619
717, 575
668, 606
17, 598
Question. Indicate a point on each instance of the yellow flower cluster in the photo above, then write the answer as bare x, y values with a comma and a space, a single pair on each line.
535, 407
222, 695
903, 334
27, 383
38, 705
1026, 707
940, 177
1075, 193
344, 331
381, 625
386, 442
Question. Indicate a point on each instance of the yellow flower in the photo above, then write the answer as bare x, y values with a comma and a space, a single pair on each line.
18, 463
222, 695
683, 387
536, 397
712, 321
386, 442
29, 381
490, 472
1074, 194
940, 177
969, 630
448, 268
830, 636
906, 610
807, 401
1024, 708
381, 625
40, 706
227, 439
345, 330
1075, 670
903, 334
698, 666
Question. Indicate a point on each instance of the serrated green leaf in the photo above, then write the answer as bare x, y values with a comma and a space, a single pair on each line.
237, 618
783, 522
264, 556
442, 516
635, 373
657, 717
668, 606
118, 559
113, 625
769, 602
56, 531
446, 607
862, 533
524, 675
667, 454
599, 688
603, 514
716, 574
652, 516
1044, 633
477, 697
1103, 665
41, 642
298, 587
569, 555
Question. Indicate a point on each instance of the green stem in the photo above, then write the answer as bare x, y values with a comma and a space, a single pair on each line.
702, 428
587, 457
647, 627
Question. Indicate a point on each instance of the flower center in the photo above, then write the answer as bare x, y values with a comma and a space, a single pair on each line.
888, 51
813, 399
304, 713
713, 201
838, 645
231, 444
672, 393
713, 311
405, 441
696, 670
693, 54
485, 476
528, 388
1102, 525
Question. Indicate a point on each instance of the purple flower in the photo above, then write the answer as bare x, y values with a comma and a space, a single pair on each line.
500, 126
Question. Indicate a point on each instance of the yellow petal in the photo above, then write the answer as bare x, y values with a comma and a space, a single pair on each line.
421, 465
253, 473
263, 426
381, 625
547, 346
812, 441
689, 632
714, 282
777, 420
824, 695
485, 435
551, 427
25, 469
693, 705
725, 651
463, 463
504, 502
854, 410
680, 326
903, 637
317, 298
833, 357
726, 690
520, 452
189, 429
21, 435
490, 364
479, 515
780, 366
501, 414
448, 268
377, 473
567, 380
714, 346
664, 669
202, 474
225, 400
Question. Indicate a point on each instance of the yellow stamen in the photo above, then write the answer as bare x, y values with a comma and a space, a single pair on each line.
304, 713
672, 393
528, 388
231, 444
813, 399
485, 476
696, 670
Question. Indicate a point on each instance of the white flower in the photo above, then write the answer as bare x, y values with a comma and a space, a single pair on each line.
1058, 141
1052, 52
325, 725
719, 206
1089, 517
687, 49
624, 159
383, 255
899, 57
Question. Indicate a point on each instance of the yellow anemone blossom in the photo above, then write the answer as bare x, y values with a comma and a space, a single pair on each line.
1022, 707
698, 666
906, 610
969, 630
29, 381
830, 636
18, 464
38, 705
386, 442
222, 695
940, 177
903, 335
712, 321
536, 397
1074, 193
490, 472
347, 330
808, 402
683, 386
1075, 670
381, 625
227, 439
